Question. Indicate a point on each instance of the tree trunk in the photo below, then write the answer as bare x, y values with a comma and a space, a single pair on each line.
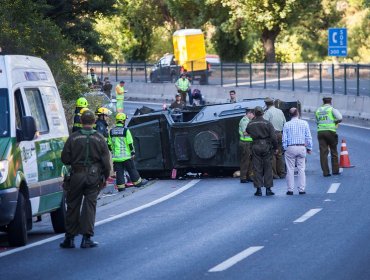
268, 40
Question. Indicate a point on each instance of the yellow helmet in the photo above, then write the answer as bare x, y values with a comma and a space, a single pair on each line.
82, 102
103, 111
83, 110
121, 117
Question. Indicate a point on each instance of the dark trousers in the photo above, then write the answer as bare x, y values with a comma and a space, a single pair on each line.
328, 140
278, 164
129, 166
81, 220
246, 172
262, 169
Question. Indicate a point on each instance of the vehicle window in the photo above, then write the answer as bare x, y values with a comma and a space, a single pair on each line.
19, 108
4, 114
166, 61
37, 109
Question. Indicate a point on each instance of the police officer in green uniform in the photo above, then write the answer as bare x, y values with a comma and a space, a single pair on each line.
87, 153
80, 104
276, 117
245, 148
122, 146
327, 119
264, 142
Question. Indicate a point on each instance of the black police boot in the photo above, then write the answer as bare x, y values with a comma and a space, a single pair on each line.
269, 192
68, 242
258, 192
87, 242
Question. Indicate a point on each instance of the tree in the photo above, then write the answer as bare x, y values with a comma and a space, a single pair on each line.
37, 36
270, 17
76, 20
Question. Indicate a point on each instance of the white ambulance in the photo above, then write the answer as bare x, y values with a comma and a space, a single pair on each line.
33, 131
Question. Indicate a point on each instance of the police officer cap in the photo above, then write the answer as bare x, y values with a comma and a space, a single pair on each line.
88, 117
326, 98
258, 109
122, 82
268, 100
178, 94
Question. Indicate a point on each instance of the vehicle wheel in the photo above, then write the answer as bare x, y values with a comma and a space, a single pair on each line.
203, 79
173, 78
152, 78
58, 218
17, 229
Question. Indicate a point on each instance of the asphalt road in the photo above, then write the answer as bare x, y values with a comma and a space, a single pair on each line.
217, 229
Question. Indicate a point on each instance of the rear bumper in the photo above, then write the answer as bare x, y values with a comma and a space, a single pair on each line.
8, 205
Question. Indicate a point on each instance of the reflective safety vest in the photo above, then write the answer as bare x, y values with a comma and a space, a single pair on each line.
77, 125
242, 126
120, 140
183, 84
120, 91
325, 119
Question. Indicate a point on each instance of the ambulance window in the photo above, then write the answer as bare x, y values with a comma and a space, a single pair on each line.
4, 113
19, 108
37, 109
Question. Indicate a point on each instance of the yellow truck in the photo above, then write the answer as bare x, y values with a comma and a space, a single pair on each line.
189, 54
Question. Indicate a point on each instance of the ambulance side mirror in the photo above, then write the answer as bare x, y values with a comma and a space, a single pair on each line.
28, 128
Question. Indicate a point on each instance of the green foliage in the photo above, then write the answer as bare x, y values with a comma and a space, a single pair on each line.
37, 36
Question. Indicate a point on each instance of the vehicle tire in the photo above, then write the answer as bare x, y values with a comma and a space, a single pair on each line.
203, 79
152, 78
17, 229
58, 218
173, 78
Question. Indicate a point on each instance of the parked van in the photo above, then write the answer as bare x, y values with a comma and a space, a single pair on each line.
33, 131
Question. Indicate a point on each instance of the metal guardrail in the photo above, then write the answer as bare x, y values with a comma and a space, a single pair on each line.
347, 79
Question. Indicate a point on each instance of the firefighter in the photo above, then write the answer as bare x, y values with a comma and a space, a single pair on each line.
264, 142
101, 124
120, 96
121, 144
80, 104
245, 148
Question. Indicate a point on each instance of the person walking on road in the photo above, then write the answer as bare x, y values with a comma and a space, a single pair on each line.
121, 144
245, 143
183, 86
297, 143
264, 142
87, 153
276, 117
120, 96
327, 119
107, 88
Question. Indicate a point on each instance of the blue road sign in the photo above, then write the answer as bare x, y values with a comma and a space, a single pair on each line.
337, 42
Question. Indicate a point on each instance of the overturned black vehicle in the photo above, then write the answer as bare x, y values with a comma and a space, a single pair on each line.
201, 139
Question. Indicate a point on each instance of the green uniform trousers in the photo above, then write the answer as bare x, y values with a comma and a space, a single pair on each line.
81, 220
262, 167
328, 140
246, 172
278, 164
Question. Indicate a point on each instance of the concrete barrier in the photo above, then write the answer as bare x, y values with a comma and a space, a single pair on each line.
350, 106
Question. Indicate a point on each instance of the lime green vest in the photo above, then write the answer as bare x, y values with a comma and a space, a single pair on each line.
119, 140
183, 84
242, 126
325, 119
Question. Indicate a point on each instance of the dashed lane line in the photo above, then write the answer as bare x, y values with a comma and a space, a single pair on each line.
333, 188
235, 259
307, 215
137, 209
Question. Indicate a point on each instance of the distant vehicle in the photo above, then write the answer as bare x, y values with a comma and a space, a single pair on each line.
202, 139
33, 130
189, 54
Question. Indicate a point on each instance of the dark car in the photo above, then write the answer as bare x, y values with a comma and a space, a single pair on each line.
167, 70
201, 139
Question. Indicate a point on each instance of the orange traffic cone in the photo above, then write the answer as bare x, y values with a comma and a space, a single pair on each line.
344, 157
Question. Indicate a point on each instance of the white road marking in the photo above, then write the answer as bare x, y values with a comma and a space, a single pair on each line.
157, 201
308, 215
333, 188
235, 259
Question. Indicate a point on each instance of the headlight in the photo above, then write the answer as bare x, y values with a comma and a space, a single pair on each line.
4, 167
